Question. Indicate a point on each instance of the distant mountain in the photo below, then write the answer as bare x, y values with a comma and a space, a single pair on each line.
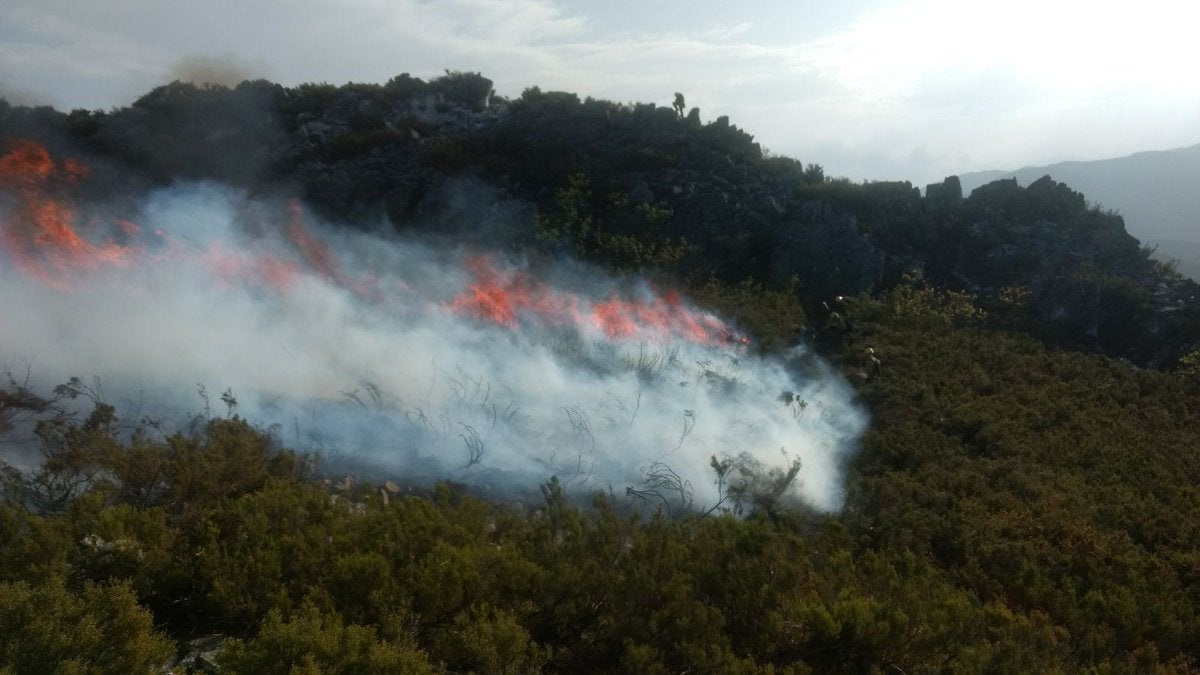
1156, 192
1185, 254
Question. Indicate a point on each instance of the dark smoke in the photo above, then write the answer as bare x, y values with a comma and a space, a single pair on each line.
226, 71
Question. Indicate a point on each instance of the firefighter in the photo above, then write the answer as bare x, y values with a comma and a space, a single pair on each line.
873, 363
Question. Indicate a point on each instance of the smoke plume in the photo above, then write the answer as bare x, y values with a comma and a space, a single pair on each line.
227, 70
422, 360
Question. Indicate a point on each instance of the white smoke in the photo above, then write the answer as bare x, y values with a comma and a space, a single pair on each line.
365, 361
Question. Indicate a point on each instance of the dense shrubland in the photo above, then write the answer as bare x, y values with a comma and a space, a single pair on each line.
1013, 507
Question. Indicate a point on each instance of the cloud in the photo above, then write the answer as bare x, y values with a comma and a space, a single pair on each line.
1069, 44
924, 73
722, 33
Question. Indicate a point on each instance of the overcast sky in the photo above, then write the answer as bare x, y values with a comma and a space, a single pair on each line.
871, 89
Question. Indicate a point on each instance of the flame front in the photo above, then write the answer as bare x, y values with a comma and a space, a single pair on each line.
508, 299
42, 237
38, 227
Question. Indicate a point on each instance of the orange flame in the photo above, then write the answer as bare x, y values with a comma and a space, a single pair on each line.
660, 319
237, 269
320, 257
317, 253
39, 233
27, 163
506, 299
39, 230
75, 170
503, 298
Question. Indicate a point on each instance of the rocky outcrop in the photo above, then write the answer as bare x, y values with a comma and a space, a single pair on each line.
947, 193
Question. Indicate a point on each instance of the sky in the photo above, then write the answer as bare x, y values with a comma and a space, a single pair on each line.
870, 89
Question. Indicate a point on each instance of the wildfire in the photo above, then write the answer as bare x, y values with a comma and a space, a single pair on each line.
508, 299
41, 234
317, 254
236, 269
27, 162
39, 225
660, 318
504, 298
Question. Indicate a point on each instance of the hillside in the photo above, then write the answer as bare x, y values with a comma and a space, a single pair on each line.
990, 399
1154, 191
675, 194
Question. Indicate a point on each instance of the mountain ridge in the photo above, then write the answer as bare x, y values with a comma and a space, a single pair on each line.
641, 187
1155, 191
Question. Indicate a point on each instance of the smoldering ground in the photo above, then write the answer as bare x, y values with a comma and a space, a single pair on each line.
421, 360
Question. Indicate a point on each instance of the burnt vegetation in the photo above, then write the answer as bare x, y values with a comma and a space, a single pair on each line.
1025, 499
